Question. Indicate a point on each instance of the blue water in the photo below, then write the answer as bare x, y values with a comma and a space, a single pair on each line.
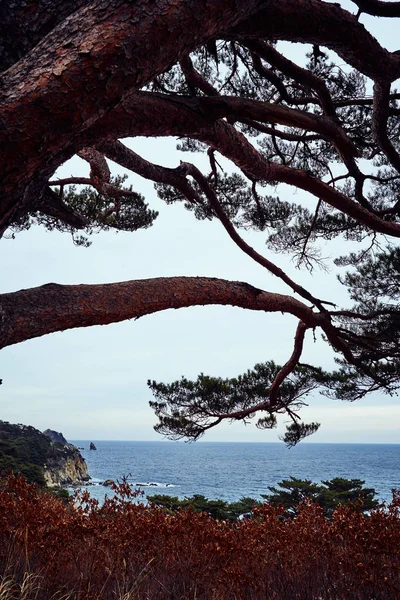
230, 471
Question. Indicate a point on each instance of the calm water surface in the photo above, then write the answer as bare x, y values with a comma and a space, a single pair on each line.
232, 470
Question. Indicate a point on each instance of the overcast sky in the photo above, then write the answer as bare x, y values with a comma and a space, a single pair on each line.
91, 383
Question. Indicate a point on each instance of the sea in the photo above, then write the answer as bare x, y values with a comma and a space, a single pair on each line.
230, 471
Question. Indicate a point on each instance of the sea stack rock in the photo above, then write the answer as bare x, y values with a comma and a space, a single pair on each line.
92, 446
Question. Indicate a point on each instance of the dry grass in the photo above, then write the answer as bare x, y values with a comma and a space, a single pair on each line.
126, 551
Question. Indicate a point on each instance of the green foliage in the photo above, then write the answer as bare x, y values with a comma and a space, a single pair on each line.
305, 229
375, 281
329, 495
130, 213
32, 473
242, 202
290, 493
374, 338
186, 409
23, 449
217, 509
61, 494
363, 173
291, 227
297, 431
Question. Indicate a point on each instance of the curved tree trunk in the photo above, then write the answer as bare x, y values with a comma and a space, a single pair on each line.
76, 79
37, 311
81, 70
88, 62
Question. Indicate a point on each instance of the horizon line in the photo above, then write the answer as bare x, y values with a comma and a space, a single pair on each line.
309, 443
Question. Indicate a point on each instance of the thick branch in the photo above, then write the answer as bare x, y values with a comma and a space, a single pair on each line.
237, 148
239, 241
283, 135
289, 365
23, 25
378, 8
81, 70
195, 79
51, 204
325, 24
99, 179
99, 169
271, 76
127, 158
379, 123
238, 108
308, 79
155, 115
71, 181
38, 311
83, 67
176, 177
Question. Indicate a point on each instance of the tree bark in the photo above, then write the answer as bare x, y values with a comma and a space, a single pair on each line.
24, 24
88, 61
38, 311
150, 114
82, 69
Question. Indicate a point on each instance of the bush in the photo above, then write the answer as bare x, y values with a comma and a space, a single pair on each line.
217, 509
125, 550
23, 449
331, 494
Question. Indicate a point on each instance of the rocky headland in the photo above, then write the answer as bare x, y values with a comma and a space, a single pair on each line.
43, 458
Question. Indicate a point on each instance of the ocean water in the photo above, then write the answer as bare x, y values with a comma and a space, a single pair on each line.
229, 471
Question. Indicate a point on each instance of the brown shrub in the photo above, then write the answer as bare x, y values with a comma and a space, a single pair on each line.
126, 551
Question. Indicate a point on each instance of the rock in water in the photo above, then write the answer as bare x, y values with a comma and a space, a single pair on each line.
92, 446
108, 482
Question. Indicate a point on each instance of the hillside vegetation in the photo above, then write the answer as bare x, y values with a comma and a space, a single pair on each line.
25, 450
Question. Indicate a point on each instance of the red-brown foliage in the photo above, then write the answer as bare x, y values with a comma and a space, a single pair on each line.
125, 550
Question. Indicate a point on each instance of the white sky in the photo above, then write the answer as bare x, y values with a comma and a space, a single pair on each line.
91, 383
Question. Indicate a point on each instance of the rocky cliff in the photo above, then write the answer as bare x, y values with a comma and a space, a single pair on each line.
55, 436
64, 464
26, 450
